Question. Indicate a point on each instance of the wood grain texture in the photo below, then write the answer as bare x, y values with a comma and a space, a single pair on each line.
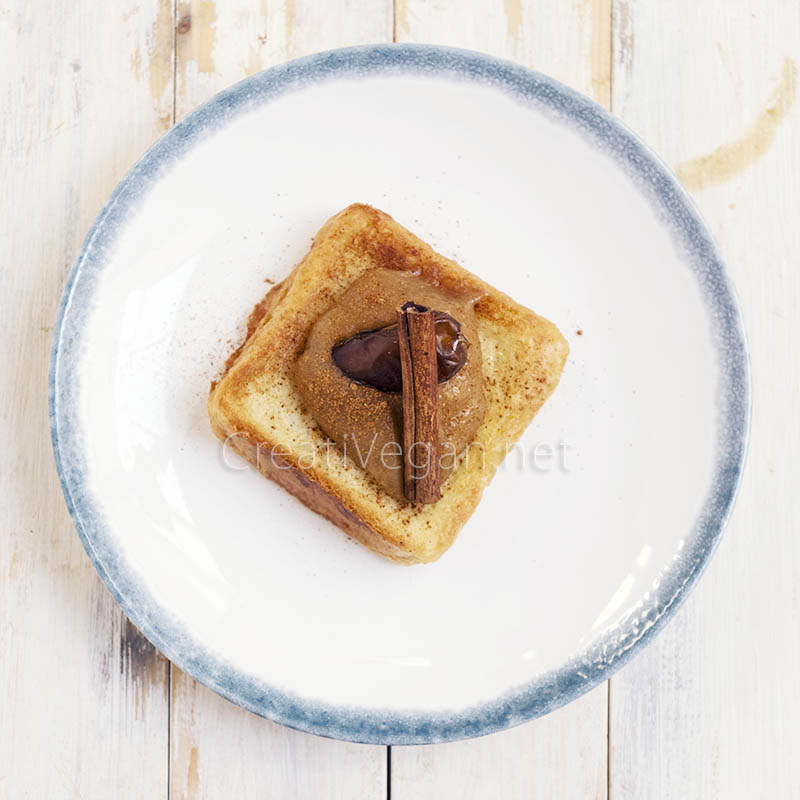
570, 41
563, 755
83, 696
220, 43
712, 708
709, 710
219, 750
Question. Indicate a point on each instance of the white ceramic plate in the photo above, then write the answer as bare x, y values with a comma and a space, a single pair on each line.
591, 533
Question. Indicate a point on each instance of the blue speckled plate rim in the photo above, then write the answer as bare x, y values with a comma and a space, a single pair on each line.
616, 645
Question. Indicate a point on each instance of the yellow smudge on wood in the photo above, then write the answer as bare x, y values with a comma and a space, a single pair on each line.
13, 567
401, 26
196, 31
204, 24
193, 775
289, 22
159, 51
205, 36
136, 63
514, 20
253, 64
597, 14
733, 158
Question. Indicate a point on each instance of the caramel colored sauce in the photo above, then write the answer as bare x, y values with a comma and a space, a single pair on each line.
366, 422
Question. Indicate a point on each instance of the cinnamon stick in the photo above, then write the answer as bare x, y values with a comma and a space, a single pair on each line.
421, 446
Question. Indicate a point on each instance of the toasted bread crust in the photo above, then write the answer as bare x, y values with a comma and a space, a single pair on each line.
256, 403
311, 494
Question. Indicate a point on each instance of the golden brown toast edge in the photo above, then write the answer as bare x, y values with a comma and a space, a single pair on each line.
387, 243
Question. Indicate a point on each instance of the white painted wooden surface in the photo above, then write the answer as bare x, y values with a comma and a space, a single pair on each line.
83, 698
88, 709
712, 709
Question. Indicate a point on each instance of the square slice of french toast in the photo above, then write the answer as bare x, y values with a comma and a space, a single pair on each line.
256, 409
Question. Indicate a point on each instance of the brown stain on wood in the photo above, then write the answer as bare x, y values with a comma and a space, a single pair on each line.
733, 158
513, 9
597, 14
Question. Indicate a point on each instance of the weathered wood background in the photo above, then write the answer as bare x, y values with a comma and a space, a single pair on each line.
89, 710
